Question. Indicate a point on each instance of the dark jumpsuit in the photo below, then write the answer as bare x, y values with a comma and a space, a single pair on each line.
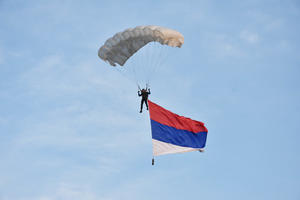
144, 94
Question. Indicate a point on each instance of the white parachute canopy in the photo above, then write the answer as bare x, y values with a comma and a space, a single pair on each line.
146, 46
119, 48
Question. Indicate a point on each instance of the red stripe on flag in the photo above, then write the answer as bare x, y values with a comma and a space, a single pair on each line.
163, 116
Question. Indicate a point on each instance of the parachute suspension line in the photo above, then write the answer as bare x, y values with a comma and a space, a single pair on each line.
165, 58
152, 53
141, 68
136, 66
157, 62
142, 63
127, 77
135, 75
149, 52
132, 72
146, 59
162, 61
122, 73
156, 51
158, 59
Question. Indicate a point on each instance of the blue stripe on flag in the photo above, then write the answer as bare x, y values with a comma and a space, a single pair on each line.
178, 137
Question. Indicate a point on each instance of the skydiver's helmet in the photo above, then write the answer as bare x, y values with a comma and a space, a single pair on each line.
143, 90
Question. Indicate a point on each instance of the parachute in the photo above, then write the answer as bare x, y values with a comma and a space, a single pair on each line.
123, 45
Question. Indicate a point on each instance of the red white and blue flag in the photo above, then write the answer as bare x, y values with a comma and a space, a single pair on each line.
172, 133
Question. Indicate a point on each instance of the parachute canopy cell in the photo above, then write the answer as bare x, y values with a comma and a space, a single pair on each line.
119, 48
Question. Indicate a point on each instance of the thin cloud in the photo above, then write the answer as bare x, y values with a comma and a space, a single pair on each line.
223, 45
249, 37
66, 191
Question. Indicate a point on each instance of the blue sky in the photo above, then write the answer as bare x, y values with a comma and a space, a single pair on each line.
69, 123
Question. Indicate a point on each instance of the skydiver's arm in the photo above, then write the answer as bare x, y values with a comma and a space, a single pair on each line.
149, 91
139, 93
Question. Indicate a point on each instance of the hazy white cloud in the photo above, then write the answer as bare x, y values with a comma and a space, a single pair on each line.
224, 45
101, 133
65, 129
275, 24
51, 76
265, 21
138, 187
73, 192
54, 76
249, 37
66, 191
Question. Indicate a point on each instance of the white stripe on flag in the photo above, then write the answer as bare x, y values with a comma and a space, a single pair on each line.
161, 148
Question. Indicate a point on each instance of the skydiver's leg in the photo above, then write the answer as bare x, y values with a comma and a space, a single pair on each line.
146, 102
142, 102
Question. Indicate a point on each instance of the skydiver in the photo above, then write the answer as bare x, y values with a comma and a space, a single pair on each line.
144, 93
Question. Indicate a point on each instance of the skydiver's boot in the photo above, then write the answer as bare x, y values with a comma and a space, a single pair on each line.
140, 111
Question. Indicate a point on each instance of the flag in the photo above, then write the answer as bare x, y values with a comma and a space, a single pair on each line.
172, 133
